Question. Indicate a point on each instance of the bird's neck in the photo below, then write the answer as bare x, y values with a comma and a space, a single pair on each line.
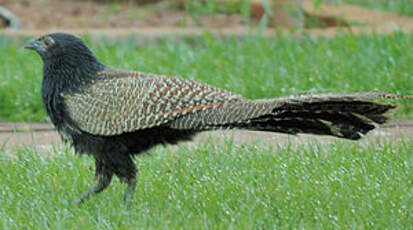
70, 72
66, 75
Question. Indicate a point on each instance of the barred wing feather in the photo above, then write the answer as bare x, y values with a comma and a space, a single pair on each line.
116, 102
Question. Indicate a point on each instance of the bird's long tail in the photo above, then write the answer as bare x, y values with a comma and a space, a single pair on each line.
347, 116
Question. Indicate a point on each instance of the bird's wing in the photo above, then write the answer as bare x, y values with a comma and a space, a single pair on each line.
116, 102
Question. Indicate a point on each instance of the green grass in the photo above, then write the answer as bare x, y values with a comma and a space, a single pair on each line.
402, 7
254, 67
342, 185
196, 8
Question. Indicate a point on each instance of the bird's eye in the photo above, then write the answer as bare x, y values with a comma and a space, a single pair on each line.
46, 43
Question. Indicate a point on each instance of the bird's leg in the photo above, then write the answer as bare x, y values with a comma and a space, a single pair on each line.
126, 171
102, 181
129, 191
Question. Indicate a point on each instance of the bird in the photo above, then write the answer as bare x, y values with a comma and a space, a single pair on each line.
113, 115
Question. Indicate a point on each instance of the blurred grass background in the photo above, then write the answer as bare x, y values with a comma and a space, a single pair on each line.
196, 7
402, 7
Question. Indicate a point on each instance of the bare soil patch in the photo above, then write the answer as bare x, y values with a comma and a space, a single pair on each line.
123, 18
49, 14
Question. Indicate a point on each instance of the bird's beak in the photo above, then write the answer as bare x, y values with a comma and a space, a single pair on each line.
32, 45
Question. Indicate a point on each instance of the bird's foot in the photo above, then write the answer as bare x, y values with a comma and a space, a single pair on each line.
78, 201
102, 182
85, 195
129, 192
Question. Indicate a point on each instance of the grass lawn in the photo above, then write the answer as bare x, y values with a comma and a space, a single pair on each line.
402, 7
254, 67
342, 185
195, 8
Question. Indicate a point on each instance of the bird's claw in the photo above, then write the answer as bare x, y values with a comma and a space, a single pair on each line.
78, 201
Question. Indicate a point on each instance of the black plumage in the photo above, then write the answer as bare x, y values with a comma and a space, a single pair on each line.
113, 115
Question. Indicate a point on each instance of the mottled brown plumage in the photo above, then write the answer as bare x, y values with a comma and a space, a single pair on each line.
114, 115
129, 101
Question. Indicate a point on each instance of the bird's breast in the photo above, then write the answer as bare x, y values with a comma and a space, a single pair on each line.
56, 111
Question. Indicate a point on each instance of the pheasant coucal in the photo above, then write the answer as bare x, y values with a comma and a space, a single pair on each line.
113, 114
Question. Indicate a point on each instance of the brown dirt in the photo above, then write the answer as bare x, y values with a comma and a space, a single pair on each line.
3, 23
370, 20
122, 19
70, 14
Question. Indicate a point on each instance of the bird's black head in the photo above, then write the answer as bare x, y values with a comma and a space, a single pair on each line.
68, 62
59, 45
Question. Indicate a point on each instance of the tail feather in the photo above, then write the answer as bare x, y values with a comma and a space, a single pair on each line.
289, 126
345, 125
347, 116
